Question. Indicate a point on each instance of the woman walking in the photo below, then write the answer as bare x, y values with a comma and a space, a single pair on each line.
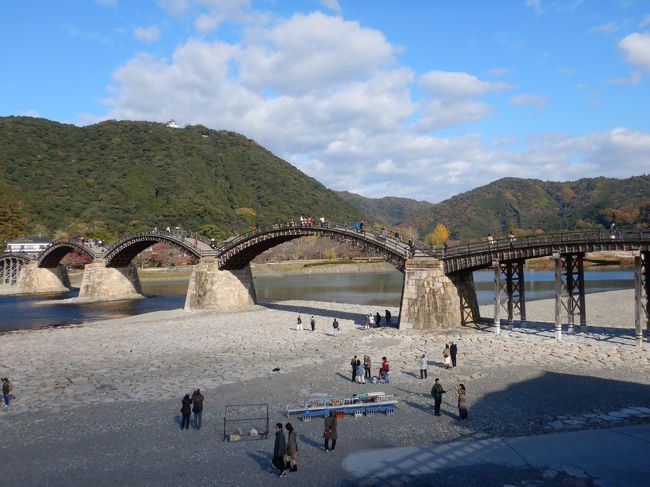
330, 431
185, 411
292, 448
462, 404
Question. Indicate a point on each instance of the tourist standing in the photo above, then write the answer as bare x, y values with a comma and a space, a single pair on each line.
384, 370
330, 431
335, 327
279, 451
462, 404
377, 319
197, 401
360, 373
437, 391
353, 363
453, 351
367, 364
424, 365
186, 410
312, 322
7, 387
299, 324
388, 318
292, 448
446, 356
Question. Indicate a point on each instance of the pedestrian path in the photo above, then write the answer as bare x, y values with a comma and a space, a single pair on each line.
611, 457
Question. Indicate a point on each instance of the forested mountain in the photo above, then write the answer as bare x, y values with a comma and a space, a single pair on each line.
528, 205
111, 178
107, 179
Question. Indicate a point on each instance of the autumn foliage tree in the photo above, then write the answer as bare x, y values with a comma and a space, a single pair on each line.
438, 235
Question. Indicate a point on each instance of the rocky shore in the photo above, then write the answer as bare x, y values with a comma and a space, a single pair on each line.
99, 402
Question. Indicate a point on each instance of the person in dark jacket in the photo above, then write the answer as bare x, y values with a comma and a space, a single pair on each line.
377, 319
330, 431
186, 410
453, 350
279, 451
353, 363
437, 391
197, 400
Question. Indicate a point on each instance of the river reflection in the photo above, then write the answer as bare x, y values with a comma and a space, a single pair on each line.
377, 289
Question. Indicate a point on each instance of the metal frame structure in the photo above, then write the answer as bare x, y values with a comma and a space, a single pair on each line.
261, 434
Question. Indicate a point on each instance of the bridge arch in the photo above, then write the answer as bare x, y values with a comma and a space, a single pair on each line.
124, 250
51, 257
237, 253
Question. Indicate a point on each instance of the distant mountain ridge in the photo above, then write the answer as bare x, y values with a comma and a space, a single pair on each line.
524, 205
389, 210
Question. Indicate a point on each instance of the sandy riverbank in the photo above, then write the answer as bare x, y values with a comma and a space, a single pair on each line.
106, 395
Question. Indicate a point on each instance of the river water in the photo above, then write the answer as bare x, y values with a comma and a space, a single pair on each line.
380, 289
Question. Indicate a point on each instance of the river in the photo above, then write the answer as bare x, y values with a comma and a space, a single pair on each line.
381, 289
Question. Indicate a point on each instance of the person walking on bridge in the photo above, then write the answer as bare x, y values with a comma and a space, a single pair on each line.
299, 324
312, 322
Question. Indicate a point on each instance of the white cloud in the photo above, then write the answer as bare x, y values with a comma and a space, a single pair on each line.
527, 99
457, 85
147, 34
636, 49
328, 95
311, 52
333, 5
606, 28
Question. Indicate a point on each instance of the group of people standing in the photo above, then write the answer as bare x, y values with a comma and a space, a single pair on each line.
363, 370
375, 320
437, 391
191, 405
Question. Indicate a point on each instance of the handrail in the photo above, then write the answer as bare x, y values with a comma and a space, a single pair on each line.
529, 241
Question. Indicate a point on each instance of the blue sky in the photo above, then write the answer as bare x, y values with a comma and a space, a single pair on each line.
421, 99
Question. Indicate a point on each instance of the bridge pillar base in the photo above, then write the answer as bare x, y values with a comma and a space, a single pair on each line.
101, 283
34, 279
432, 300
214, 289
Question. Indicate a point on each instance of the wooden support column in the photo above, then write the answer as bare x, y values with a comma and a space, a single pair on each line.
497, 297
581, 295
509, 292
641, 296
558, 297
570, 285
512, 274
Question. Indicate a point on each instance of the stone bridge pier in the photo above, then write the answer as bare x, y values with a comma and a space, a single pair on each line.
101, 283
432, 300
221, 290
33, 279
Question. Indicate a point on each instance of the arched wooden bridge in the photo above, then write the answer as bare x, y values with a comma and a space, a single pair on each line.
506, 257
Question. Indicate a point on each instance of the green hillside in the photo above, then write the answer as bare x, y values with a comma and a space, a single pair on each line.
528, 205
111, 178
